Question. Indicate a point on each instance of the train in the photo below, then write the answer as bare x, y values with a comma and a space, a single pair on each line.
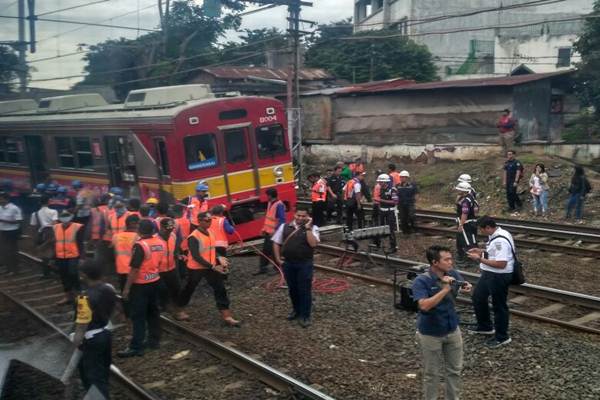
159, 143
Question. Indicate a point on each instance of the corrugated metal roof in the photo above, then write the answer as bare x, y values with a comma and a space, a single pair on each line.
376, 86
306, 74
468, 83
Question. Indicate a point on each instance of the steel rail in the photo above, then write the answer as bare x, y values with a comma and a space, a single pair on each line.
528, 289
263, 372
127, 383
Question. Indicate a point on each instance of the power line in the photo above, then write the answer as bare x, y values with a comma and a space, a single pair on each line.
82, 23
72, 7
55, 57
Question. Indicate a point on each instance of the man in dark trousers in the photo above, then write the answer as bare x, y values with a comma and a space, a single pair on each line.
512, 174
466, 218
10, 231
94, 308
293, 245
335, 185
68, 251
354, 193
407, 197
274, 217
318, 197
388, 197
141, 291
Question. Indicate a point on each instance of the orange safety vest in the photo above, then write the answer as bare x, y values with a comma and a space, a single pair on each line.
107, 214
154, 250
377, 193
117, 224
167, 263
185, 228
218, 230
199, 206
123, 244
66, 240
349, 189
96, 220
395, 177
319, 190
271, 222
206, 250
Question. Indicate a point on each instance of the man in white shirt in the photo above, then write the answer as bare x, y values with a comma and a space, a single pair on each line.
10, 230
44, 219
496, 264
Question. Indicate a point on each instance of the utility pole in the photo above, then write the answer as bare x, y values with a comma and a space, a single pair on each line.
22, 48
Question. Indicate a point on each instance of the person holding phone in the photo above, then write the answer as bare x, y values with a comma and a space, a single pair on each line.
293, 247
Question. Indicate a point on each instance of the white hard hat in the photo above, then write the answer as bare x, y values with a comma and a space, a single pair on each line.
404, 173
463, 187
383, 178
465, 178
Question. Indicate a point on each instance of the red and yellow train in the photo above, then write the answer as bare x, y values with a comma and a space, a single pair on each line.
159, 143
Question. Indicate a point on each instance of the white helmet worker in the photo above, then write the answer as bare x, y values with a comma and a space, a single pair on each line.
463, 187
465, 178
383, 178
404, 173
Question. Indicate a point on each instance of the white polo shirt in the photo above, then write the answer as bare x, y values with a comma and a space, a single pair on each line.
45, 216
498, 249
10, 212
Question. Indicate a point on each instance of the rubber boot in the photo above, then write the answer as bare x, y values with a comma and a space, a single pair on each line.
228, 318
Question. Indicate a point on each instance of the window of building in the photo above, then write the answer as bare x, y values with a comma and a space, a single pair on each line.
83, 150
200, 151
10, 150
564, 57
270, 141
64, 152
235, 146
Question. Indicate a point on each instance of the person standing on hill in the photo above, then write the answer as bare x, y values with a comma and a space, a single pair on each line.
513, 172
579, 188
538, 184
507, 129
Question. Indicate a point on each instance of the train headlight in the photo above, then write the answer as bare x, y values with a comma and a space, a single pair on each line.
278, 172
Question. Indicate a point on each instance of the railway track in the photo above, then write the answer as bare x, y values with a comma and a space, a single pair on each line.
38, 296
559, 307
577, 240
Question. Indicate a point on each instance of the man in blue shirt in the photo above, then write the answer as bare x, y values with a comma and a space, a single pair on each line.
437, 323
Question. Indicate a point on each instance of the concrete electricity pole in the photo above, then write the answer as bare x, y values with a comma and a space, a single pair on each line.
21, 44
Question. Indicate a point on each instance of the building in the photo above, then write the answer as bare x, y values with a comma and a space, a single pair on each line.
259, 80
491, 37
398, 112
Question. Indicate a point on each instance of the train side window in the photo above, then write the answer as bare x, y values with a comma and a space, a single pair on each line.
64, 151
9, 151
270, 141
200, 151
83, 149
235, 146
161, 153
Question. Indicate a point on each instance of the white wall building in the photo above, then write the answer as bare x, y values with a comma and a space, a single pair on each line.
483, 36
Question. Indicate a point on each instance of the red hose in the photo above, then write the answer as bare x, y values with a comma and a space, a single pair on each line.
327, 285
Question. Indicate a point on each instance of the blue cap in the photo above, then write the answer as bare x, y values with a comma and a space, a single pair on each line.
116, 191
76, 183
62, 189
40, 187
51, 187
201, 186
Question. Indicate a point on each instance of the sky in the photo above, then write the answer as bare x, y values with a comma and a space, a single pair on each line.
60, 38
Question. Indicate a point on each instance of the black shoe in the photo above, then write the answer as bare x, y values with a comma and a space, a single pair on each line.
152, 346
260, 272
292, 316
130, 353
494, 343
305, 322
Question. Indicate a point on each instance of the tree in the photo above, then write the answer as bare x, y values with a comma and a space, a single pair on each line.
253, 47
9, 67
188, 40
587, 78
350, 57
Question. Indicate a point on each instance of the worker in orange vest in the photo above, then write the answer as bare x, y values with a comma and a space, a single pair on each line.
220, 227
395, 175
199, 202
185, 228
122, 243
68, 250
203, 262
170, 283
141, 291
318, 198
376, 201
116, 220
353, 198
274, 217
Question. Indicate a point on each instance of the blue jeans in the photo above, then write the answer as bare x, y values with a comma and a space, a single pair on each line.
298, 276
540, 203
575, 200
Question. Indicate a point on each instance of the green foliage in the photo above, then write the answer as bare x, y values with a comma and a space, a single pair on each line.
362, 60
587, 79
429, 180
584, 128
187, 41
9, 66
252, 49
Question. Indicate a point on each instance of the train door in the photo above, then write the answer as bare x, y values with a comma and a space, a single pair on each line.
121, 164
36, 159
242, 177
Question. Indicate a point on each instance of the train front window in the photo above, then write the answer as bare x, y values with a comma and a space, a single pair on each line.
235, 146
270, 141
84, 153
64, 152
200, 152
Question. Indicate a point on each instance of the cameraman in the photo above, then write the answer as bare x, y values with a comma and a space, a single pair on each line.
438, 333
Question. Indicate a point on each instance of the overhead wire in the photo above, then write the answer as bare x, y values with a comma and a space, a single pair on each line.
71, 8
63, 21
